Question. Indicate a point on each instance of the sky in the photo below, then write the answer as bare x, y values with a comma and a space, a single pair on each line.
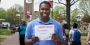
8, 3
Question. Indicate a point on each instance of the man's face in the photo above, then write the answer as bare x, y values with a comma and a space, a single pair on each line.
23, 22
44, 10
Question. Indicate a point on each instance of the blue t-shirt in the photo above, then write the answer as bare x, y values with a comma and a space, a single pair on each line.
22, 29
30, 31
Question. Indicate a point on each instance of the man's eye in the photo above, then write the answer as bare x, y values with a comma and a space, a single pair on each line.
47, 9
42, 9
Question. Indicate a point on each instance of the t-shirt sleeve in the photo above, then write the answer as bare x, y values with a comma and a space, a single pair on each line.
60, 32
28, 31
70, 32
79, 31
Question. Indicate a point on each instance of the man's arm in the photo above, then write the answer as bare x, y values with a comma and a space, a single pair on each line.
88, 36
32, 40
70, 37
28, 42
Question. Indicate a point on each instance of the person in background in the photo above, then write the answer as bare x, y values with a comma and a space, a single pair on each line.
66, 32
22, 29
88, 36
44, 19
75, 35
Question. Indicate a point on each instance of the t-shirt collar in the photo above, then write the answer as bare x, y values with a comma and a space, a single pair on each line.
49, 22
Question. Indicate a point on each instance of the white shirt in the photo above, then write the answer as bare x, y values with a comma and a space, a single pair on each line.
67, 31
72, 32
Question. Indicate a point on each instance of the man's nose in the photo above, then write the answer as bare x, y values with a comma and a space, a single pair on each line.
44, 10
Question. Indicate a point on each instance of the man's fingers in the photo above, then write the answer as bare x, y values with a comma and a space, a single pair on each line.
35, 38
54, 37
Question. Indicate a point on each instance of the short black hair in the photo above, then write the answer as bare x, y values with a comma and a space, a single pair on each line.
75, 25
65, 26
45, 2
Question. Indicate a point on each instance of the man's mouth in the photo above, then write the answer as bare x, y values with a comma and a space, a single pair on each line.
44, 14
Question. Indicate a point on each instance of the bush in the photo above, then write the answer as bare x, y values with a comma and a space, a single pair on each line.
2, 39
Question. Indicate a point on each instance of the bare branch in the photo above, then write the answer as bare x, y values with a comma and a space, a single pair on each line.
59, 3
74, 2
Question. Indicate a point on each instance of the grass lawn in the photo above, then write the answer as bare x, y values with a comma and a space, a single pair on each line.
2, 39
5, 32
83, 34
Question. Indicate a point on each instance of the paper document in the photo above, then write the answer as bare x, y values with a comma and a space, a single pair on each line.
44, 32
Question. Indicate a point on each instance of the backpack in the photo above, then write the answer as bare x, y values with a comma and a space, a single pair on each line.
76, 36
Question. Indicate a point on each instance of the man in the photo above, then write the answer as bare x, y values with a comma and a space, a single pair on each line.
22, 29
57, 38
88, 36
75, 35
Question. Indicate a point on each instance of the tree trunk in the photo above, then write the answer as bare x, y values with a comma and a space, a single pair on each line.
68, 12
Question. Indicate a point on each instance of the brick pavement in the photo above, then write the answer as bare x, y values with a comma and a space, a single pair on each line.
11, 40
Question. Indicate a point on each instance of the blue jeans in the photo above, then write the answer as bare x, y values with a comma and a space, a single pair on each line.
66, 41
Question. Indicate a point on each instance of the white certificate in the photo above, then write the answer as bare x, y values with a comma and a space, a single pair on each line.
44, 32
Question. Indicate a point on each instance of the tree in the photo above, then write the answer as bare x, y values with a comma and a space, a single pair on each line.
13, 11
57, 12
74, 15
18, 7
2, 13
85, 6
68, 4
85, 10
86, 18
11, 15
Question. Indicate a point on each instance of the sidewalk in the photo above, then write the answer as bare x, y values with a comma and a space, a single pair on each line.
11, 40
14, 39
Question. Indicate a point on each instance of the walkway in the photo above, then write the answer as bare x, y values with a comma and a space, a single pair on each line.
11, 40
14, 39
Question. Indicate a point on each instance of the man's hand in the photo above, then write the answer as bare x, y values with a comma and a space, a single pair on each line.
57, 40
34, 39
55, 37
